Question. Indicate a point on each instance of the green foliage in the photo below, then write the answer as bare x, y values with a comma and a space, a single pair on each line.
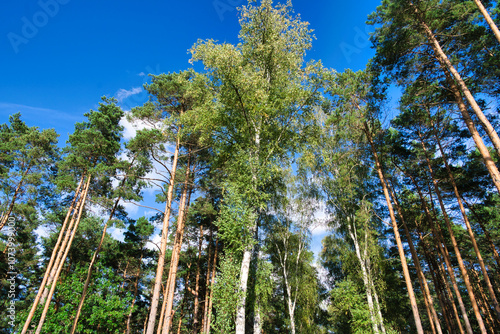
233, 221
94, 145
349, 310
104, 311
226, 294
257, 115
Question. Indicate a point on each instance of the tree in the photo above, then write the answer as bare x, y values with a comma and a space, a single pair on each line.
91, 152
400, 53
263, 89
173, 97
26, 156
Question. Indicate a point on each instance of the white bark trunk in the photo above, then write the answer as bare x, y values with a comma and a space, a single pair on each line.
362, 263
245, 268
247, 254
291, 307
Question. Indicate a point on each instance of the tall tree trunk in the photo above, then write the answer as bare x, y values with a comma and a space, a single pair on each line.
449, 298
362, 262
245, 268
445, 254
491, 292
52, 257
247, 253
212, 282
469, 229
485, 231
461, 199
197, 284
62, 247
59, 263
457, 252
146, 319
433, 318
92, 262
183, 304
159, 328
483, 301
402, 255
207, 283
483, 150
442, 287
445, 62
176, 251
378, 309
488, 19
163, 247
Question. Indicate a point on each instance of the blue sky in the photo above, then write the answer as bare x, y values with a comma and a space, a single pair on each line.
58, 57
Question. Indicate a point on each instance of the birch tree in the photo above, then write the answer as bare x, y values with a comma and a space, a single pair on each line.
263, 88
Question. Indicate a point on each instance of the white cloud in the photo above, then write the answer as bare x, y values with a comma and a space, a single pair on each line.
131, 208
320, 229
130, 128
154, 244
117, 233
321, 219
142, 74
122, 94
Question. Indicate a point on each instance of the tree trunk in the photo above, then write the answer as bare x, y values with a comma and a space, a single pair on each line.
291, 309
92, 262
60, 260
163, 247
433, 318
486, 232
444, 61
452, 236
362, 262
183, 304
380, 319
176, 251
491, 292
402, 256
52, 258
443, 291
245, 268
197, 284
488, 19
445, 254
247, 253
207, 283
62, 247
483, 301
214, 267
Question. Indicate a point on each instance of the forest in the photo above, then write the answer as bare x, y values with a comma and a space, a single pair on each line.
242, 156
